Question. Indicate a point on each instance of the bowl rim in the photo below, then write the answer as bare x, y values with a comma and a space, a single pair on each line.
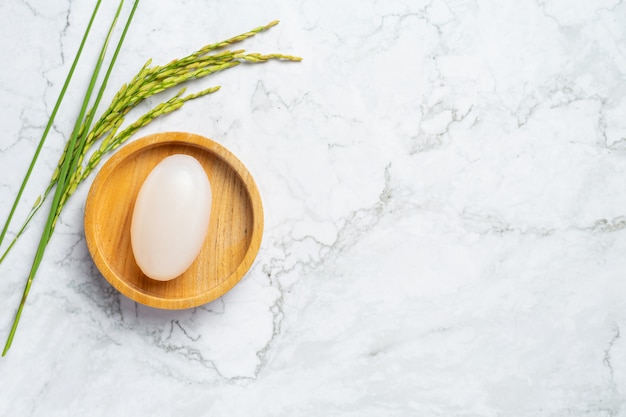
162, 139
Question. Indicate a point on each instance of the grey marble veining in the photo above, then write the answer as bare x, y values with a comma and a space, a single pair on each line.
443, 185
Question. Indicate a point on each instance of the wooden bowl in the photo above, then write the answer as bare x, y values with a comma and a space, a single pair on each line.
232, 241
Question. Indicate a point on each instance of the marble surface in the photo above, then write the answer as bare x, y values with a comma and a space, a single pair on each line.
445, 211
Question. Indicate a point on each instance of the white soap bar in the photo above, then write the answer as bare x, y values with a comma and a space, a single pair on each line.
171, 217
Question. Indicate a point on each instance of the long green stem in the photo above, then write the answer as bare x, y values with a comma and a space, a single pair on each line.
77, 158
48, 126
87, 125
60, 188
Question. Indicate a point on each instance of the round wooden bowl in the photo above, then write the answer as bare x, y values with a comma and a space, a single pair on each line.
232, 241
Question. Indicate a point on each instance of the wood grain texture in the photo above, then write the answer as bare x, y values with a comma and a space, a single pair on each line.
233, 238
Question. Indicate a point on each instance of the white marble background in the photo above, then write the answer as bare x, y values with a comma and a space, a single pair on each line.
444, 185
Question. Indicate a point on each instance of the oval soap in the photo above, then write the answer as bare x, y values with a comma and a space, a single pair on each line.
171, 217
